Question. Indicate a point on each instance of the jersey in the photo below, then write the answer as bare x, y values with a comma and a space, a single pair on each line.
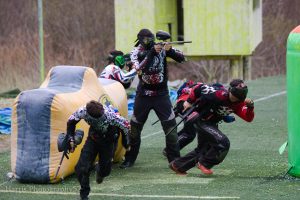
213, 103
101, 124
115, 73
153, 70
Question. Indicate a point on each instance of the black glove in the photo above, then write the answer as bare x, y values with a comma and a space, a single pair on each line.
249, 103
72, 144
141, 55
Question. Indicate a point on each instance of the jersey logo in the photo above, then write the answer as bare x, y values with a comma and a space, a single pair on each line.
224, 110
105, 100
206, 89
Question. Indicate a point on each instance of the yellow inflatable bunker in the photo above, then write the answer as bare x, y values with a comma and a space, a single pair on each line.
39, 115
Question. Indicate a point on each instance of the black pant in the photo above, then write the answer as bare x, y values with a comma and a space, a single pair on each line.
102, 146
163, 109
186, 135
211, 150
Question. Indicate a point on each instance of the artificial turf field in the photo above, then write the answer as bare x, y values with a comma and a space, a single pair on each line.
253, 168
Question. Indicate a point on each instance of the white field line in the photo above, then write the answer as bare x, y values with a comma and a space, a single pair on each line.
120, 195
257, 100
155, 133
270, 96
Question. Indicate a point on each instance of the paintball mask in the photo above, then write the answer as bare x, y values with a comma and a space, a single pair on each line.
119, 61
113, 54
63, 142
238, 89
146, 38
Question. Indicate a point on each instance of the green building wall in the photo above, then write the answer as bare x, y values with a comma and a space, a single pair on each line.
219, 29
130, 17
216, 27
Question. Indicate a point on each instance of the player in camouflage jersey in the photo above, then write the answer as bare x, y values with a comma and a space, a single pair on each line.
105, 126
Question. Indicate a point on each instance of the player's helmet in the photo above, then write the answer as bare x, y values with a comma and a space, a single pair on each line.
238, 89
119, 61
146, 38
113, 54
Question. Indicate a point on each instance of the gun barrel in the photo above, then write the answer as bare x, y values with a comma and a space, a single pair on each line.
173, 42
179, 42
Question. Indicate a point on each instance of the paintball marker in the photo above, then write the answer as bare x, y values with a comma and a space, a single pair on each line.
63, 145
187, 114
162, 35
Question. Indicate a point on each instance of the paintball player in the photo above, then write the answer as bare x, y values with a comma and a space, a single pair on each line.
104, 124
212, 104
187, 134
114, 69
149, 59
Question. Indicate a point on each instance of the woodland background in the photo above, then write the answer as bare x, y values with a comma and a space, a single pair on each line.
78, 32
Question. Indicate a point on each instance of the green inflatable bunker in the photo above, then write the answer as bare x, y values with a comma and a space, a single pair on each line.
293, 101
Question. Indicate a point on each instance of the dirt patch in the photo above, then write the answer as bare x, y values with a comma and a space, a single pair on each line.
4, 143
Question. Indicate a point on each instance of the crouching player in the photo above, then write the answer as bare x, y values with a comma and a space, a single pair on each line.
213, 104
188, 133
103, 132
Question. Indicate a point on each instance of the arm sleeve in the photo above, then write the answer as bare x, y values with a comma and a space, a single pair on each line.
244, 112
117, 120
175, 55
121, 123
148, 58
125, 77
134, 57
74, 119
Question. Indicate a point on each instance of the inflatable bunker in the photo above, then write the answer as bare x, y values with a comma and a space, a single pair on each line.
293, 96
39, 115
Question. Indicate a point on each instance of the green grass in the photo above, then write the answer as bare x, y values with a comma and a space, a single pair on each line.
253, 168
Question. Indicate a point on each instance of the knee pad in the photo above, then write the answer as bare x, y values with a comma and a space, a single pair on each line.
168, 125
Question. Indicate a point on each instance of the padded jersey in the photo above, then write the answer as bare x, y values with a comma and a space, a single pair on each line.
215, 100
115, 73
102, 124
152, 67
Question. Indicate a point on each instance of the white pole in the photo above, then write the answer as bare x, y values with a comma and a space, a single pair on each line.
41, 39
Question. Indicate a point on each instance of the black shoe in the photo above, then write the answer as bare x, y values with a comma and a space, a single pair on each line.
126, 164
99, 179
84, 198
